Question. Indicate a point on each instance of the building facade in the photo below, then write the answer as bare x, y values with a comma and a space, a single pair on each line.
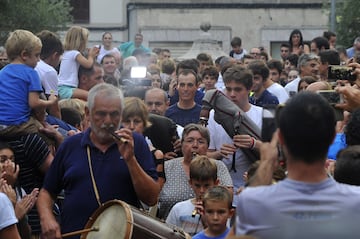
176, 24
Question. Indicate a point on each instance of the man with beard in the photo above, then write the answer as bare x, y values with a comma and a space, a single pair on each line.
103, 163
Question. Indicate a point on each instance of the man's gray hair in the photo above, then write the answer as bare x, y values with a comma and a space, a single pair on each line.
225, 60
304, 58
129, 62
106, 90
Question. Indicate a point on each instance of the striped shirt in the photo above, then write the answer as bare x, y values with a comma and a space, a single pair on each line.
30, 152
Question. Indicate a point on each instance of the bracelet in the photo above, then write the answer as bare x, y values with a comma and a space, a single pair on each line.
253, 143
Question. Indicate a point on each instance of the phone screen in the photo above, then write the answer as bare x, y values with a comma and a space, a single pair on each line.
268, 122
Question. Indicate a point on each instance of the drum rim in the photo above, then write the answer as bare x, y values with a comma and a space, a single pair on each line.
128, 212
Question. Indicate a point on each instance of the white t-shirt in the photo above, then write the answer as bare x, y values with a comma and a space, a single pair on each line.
241, 55
179, 130
48, 77
7, 214
69, 68
279, 91
220, 83
181, 216
104, 52
293, 86
218, 137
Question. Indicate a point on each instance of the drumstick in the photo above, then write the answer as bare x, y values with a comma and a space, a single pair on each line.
95, 229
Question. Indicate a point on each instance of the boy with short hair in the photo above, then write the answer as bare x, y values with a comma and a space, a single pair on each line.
20, 86
186, 214
209, 78
217, 203
51, 51
237, 51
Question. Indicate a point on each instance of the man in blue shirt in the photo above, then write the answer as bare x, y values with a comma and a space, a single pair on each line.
94, 167
260, 95
354, 49
185, 111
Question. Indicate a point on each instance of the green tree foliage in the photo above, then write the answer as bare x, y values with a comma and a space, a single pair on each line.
348, 22
34, 15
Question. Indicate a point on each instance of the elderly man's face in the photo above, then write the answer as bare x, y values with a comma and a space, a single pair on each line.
156, 103
106, 113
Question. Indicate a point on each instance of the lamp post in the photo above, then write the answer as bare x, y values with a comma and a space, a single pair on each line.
332, 15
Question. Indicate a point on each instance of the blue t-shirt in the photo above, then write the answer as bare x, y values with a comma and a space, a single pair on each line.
16, 82
199, 95
266, 98
183, 117
202, 235
70, 171
338, 144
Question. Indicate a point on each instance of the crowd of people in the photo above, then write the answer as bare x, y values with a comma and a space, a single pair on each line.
83, 125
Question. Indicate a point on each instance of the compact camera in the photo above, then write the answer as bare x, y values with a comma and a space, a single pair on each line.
270, 120
137, 77
331, 96
336, 72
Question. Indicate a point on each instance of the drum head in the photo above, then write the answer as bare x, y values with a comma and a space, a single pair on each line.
113, 219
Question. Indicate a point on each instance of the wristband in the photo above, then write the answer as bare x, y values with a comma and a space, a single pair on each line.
253, 143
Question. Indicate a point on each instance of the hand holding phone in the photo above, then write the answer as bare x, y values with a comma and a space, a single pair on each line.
268, 122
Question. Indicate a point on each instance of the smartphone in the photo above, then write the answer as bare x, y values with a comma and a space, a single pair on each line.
268, 122
331, 96
337, 72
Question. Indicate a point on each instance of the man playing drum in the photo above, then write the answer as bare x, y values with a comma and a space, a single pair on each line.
103, 163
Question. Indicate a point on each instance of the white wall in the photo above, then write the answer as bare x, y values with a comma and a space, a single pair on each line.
255, 26
107, 12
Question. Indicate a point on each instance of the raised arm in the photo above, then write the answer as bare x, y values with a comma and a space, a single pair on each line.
89, 61
146, 188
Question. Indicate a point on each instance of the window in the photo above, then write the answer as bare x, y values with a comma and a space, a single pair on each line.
81, 11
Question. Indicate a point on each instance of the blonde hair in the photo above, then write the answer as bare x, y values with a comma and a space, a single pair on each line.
19, 41
76, 38
218, 194
76, 104
203, 168
134, 106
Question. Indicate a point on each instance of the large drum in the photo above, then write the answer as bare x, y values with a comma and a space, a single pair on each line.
116, 219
